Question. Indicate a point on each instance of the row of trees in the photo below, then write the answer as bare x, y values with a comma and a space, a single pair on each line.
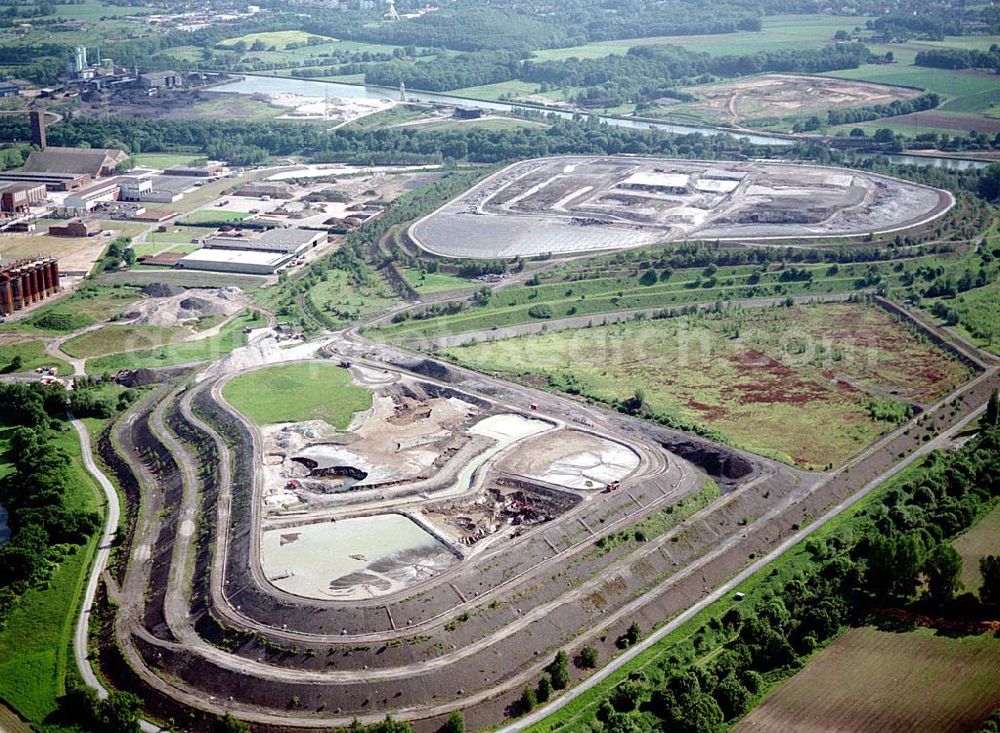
960, 58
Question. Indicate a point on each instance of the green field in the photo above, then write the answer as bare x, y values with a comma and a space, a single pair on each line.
35, 644
212, 216
487, 123
779, 33
810, 385
983, 538
32, 355
278, 39
887, 681
298, 392
88, 305
389, 117
433, 282
505, 90
214, 347
116, 339
943, 81
167, 160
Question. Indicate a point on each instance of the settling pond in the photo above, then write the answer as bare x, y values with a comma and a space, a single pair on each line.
352, 559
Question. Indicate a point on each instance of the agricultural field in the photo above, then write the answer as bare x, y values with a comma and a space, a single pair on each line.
35, 655
298, 392
982, 539
968, 96
886, 681
764, 378
778, 33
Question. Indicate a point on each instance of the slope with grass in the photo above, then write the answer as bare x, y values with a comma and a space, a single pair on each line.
35, 654
230, 337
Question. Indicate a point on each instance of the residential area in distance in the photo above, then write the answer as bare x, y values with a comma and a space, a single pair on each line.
428, 367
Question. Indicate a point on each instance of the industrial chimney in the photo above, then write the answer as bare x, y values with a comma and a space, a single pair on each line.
38, 128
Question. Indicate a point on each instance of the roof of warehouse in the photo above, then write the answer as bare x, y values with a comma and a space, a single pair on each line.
238, 256
73, 160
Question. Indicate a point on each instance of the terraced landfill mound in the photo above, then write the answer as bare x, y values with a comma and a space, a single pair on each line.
579, 204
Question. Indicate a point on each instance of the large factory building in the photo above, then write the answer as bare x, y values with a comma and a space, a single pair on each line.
23, 282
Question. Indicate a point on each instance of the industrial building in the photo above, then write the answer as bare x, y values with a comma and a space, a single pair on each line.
190, 171
23, 282
657, 182
76, 228
285, 241
93, 162
135, 188
9, 89
51, 181
253, 253
160, 79
273, 189
83, 201
235, 261
18, 198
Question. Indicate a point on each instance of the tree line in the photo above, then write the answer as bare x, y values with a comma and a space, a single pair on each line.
960, 58
645, 72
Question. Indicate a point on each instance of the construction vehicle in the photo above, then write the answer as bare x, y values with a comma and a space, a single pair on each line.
613, 486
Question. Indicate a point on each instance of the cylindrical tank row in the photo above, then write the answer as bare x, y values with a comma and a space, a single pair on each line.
20, 286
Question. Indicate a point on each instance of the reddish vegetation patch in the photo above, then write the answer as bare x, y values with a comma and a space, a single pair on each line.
709, 412
766, 381
965, 626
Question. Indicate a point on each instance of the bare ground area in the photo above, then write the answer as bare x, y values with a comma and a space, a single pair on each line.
789, 95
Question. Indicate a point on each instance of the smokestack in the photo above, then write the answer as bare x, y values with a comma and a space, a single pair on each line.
38, 128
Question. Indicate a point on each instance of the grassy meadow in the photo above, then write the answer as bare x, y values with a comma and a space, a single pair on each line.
298, 392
